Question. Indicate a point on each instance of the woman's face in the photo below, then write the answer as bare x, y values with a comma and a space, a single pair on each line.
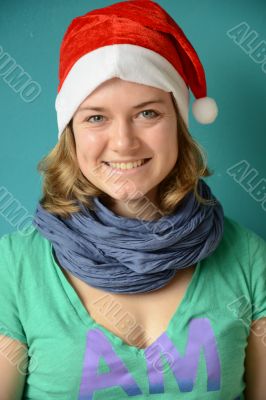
111, 125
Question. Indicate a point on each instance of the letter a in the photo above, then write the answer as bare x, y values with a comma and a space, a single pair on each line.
99, 346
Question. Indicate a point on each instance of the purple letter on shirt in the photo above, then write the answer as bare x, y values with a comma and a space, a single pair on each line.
200, 336
184, 368
99, 346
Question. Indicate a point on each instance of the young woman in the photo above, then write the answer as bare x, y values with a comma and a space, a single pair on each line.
132, 281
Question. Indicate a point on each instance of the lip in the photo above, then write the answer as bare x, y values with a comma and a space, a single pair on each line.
128, 171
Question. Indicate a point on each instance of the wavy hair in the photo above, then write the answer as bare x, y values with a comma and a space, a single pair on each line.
64, 185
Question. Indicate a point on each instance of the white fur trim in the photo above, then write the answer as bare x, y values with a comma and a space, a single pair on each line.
205, 110
125, 61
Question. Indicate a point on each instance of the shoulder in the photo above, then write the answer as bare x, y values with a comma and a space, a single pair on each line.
24, 258
16, 244
240, 259
243, 254
232, 226
240, 241
235, 232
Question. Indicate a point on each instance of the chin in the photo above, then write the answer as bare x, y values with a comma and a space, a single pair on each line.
124, 193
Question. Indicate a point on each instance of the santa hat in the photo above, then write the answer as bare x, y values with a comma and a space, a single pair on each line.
135, 40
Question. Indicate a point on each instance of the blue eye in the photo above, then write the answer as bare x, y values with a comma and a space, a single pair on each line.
93, 116
150, 111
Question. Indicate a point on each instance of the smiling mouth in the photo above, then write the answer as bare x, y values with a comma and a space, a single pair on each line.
146, 160
125, 162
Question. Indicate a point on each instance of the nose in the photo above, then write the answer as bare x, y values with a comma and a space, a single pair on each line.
123, 136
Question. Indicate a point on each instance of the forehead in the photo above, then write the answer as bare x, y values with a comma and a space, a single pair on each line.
131, 90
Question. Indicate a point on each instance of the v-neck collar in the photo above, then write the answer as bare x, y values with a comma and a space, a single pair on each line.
89, 322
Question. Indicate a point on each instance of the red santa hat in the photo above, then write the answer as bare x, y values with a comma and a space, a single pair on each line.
135, 40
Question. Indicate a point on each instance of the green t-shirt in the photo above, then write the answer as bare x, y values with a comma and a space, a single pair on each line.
200, 356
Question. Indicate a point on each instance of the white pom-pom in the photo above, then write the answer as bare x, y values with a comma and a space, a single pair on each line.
205, 110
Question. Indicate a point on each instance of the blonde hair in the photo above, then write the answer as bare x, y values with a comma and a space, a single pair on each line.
64, 185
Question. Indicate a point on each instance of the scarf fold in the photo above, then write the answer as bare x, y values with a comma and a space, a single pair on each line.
130, 255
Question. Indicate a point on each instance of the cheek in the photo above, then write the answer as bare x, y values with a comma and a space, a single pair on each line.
168, 146
88, 148
165, 139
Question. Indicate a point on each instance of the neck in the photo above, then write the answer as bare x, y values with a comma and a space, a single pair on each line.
141, 208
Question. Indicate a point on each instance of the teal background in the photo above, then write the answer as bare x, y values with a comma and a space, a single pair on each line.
31, 32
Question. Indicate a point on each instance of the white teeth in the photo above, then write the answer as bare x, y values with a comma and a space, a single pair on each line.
127, 165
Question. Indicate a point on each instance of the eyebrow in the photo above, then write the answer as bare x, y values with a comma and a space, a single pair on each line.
135, 107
